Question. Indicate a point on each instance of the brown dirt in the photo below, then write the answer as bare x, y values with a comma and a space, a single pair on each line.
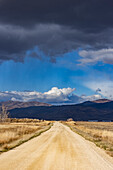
57, 149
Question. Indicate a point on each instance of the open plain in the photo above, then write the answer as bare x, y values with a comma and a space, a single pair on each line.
59, 148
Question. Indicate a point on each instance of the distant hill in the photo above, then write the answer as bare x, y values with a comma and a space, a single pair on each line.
101, 111
96, 101
102, 101
16, 104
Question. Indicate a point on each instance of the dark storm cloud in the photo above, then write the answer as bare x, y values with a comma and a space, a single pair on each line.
54, 26
87, 14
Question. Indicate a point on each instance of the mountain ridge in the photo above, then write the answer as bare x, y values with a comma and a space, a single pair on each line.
17, 104
80, 112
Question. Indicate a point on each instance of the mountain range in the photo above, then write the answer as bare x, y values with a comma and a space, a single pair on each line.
99, 110
17, 104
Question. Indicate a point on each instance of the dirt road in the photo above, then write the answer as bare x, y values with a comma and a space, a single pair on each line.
57, 149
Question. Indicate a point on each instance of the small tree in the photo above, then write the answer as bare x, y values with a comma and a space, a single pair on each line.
4, 114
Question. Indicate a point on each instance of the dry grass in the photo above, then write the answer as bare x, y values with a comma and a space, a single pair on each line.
13, 134
101, 133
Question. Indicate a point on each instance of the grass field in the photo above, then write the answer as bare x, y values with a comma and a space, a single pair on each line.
101, 133
19, 131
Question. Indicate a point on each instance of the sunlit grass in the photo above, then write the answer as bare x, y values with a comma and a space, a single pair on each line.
101, 133
13, 134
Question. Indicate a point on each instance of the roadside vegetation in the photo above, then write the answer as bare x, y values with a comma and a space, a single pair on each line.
3, 114
101, 133
14, 132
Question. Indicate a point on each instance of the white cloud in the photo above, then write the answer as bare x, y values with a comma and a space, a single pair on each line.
106, 88
54, 96
103, 55
91, 98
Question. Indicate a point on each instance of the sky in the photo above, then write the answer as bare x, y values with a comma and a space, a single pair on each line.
58, 52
